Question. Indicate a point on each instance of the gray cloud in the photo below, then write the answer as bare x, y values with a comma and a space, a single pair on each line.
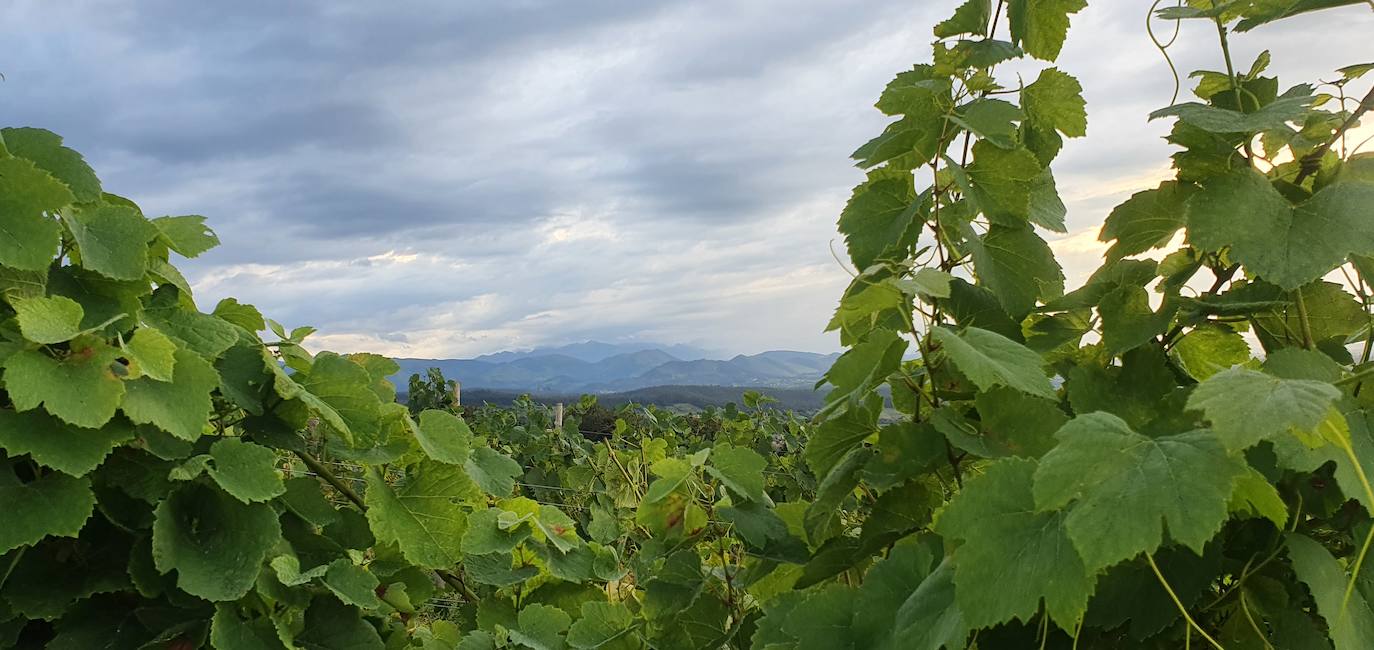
445, 178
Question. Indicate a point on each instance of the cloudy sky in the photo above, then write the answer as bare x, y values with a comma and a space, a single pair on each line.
449, 178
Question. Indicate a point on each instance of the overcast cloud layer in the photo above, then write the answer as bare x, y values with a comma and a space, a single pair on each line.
442, 179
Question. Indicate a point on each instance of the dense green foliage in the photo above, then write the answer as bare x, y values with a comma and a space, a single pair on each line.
1110, 467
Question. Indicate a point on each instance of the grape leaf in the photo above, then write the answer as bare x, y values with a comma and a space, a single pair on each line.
878, 217
1147, 220
180, 407
150, 354
48, 320
970, 18
56, 444
1040, 26
989, 359
1121, 487
1246, 407
603, 625
44, 149
1281, 243
1210, 349
215, 543
493, 471
1018, 267
1055, 99
28, 237
187, 235
540, 627
80, 389
246, 471
444, 437
55, 504
740, 469
113, 240
1012, 555
1002, 181
422, 517
352, 584
1351, 626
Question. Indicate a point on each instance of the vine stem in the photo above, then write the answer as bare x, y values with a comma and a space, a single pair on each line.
1179, 603
349, 493
1307, 341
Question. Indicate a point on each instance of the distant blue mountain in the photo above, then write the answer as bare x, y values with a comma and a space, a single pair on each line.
594, 367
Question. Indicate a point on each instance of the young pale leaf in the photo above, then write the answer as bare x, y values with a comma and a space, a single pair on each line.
989, 359
970, 18
1246, 407
444, 437
1055, 99
1040, 26
27, 196
422, 517
48, 320
56, 444
1012, 556
1281, 243
1210, 349
54, 505
150, 354
1121, 488
215, 543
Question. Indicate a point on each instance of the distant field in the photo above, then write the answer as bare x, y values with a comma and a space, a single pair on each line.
801, 400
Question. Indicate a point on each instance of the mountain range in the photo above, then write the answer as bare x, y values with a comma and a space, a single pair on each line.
595, 367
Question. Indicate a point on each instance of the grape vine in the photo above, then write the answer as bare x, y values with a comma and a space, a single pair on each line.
1177, 452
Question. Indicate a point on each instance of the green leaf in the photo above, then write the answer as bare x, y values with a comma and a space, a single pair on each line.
541, 627
495, 530
1012, 556
246, 471
187, 235
1128, 321
1210, 349
1003, 180
1283, 244
113, 240
44, 149
1292, 106
345, 387
822, 621
80, 389
930, 619
989, 359
331, 625
1055, 100
28, 236
1246, 407
1121, 487
150, 354
879, 216
1352, 626
1047, 210
493, 471
926, 282
215, 544
601, 626
1018, 267
1040, 26
353, 584
444, 437
838, 434
1147, 220
180, 407
54, 504
993, 120
56, 444
304, 498
1017, 424
230, 632
740, 469
422, 517
970, 18
1256, 495
48, 320
201, 333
